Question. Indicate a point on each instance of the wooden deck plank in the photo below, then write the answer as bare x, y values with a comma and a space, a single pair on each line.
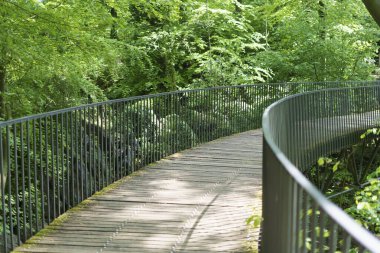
194, 201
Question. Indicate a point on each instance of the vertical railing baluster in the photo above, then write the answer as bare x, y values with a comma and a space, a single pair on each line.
147, 130
333, 237
157, 133
46, 149
167, 135
16, 184
53, 168
314, 219
63, 170
211, 117
172, 104
35, 181
105, 153
9, 178
123, 137
76, 171
117, 141
199, 116
57, 207
346, 242
298, 222
92, 136
28, 151
85, 169
69, 157
114, 141
2, 185
23, 211
80, 163
111, 144
305, 223
101, 146
93, 166
223, 110
129, 127
41, 174
134, 132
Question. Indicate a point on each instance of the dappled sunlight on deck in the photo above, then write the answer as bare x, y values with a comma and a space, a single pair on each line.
194, 201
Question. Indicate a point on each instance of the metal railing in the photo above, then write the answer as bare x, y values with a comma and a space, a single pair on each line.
51, 162
297, 131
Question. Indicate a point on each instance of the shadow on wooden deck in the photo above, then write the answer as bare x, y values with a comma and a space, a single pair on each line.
194, 201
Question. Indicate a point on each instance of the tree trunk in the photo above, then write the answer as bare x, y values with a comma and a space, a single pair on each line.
322, 35
373, 6
322, 17
3, 86
4, 116
114, 34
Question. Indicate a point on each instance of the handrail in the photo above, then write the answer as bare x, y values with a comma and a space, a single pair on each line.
297, 130
51, 162
306, 86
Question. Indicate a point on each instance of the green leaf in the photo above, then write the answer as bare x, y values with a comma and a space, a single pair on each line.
321, 161
335, 167
363, 205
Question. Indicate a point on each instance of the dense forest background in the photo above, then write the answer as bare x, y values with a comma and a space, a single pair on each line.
61, 53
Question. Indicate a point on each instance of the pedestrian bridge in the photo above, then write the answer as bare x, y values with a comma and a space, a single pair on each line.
193, 201
182, 171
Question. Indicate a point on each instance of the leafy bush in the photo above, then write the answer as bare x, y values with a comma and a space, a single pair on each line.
176, 134
366, 209
352, 179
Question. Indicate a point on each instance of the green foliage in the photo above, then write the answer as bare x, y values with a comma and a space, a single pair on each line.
201, 123
350, 166
49, 59
176, 134
317, 40
254, 220
366, 210
180, 44
113, 49
352, 179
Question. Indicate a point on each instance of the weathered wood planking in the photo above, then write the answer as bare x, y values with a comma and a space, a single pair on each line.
194, 201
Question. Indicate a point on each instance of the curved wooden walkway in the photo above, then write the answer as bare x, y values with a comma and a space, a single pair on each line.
194, 201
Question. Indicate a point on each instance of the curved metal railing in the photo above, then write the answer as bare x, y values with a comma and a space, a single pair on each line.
297, 130
51, 162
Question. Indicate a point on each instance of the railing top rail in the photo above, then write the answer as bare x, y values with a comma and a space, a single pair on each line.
108, 102
358, 233
114, 101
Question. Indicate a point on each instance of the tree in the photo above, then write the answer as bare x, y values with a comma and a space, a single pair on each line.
48, 59
172, 45
316, 41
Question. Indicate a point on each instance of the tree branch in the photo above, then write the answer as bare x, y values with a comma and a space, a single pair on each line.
373, 7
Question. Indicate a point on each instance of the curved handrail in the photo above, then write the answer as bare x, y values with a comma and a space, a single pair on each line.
289, 149
308, 86
51, 162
